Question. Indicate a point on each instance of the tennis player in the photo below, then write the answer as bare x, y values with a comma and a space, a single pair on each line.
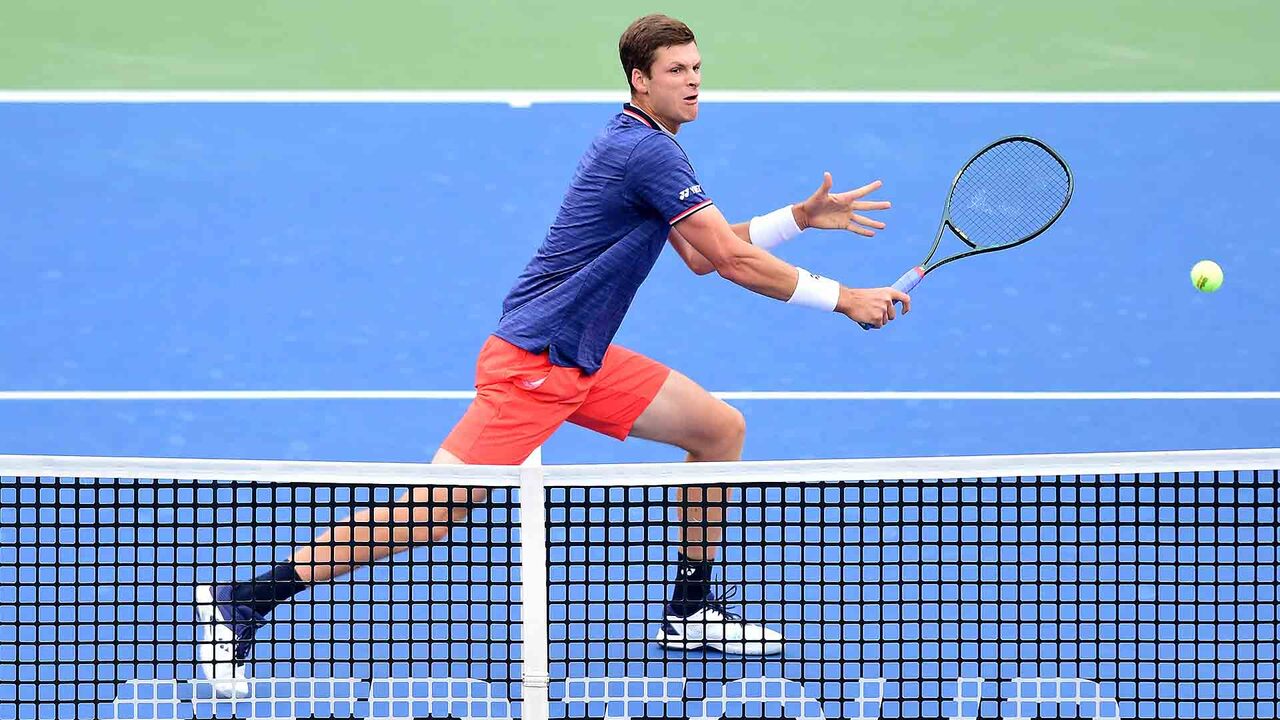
551, 357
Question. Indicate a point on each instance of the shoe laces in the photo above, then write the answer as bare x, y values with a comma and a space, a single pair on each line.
719, 600
245, 623
245, 633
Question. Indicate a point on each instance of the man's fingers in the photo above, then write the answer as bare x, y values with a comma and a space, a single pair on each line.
879, 306
868, 188
859, 192
864, 226
863, 220
903, 298
826, 184
871, 205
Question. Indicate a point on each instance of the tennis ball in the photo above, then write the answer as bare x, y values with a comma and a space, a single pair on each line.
1206, 276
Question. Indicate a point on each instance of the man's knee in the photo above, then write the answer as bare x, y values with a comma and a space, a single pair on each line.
724, 435
735, 425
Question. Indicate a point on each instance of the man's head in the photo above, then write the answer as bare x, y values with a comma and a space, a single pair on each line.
660, 56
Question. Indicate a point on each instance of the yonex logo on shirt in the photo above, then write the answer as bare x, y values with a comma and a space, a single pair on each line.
685, 193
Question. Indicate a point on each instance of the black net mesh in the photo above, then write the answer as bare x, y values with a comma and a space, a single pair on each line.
1099, 596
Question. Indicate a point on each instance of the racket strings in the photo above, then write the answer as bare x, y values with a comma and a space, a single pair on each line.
1009, 193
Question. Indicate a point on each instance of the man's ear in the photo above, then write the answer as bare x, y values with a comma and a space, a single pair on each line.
639, 81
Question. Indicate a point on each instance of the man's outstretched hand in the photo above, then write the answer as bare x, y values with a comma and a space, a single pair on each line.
840, 211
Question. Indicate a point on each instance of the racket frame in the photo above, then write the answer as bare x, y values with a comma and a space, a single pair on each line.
911, 278
946, 224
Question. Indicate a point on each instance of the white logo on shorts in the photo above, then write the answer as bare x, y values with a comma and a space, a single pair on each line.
531, 384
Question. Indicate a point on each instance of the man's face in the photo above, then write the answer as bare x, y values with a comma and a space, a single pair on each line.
672, 84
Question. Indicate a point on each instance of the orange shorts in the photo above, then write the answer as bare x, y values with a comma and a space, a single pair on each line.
521, 399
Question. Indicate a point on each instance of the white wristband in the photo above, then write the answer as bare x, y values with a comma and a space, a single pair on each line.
815, 291
770, 231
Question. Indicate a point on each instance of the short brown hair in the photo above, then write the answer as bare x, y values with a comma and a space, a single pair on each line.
641, 41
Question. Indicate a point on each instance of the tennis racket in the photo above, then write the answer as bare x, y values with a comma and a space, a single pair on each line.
1008, 193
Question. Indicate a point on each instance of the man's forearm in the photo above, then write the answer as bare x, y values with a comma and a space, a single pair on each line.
761, 273
755, 268
738, 262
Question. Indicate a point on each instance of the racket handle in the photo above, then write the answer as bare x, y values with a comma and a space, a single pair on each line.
908, 282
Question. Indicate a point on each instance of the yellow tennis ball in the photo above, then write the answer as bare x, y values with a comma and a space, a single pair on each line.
1206, 276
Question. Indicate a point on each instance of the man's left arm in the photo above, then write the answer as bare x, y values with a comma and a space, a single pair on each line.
823, 209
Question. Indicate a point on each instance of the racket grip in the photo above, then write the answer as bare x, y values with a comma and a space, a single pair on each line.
908, 282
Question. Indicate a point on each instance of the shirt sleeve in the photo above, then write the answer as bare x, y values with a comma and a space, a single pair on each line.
660, 176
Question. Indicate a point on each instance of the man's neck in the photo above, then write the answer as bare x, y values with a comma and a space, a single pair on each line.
670, 127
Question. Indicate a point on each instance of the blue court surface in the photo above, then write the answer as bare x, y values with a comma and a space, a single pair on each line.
368, 247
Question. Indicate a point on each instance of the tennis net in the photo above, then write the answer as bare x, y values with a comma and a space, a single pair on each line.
1129, 585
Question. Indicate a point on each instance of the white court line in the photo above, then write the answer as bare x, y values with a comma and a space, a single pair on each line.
784, 395
526, 98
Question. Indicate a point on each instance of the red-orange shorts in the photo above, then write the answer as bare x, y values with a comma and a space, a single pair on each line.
521, 399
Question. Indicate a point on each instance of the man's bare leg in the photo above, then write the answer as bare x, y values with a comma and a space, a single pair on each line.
417, 516
230, 615
708, 430
685, 415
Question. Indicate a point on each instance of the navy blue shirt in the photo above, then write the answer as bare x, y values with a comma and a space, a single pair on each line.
631, 186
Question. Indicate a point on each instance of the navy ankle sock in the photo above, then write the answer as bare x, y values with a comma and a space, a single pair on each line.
269, 589
692, 587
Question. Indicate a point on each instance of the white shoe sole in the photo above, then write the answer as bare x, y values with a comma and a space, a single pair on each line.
749, 648
235, 687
